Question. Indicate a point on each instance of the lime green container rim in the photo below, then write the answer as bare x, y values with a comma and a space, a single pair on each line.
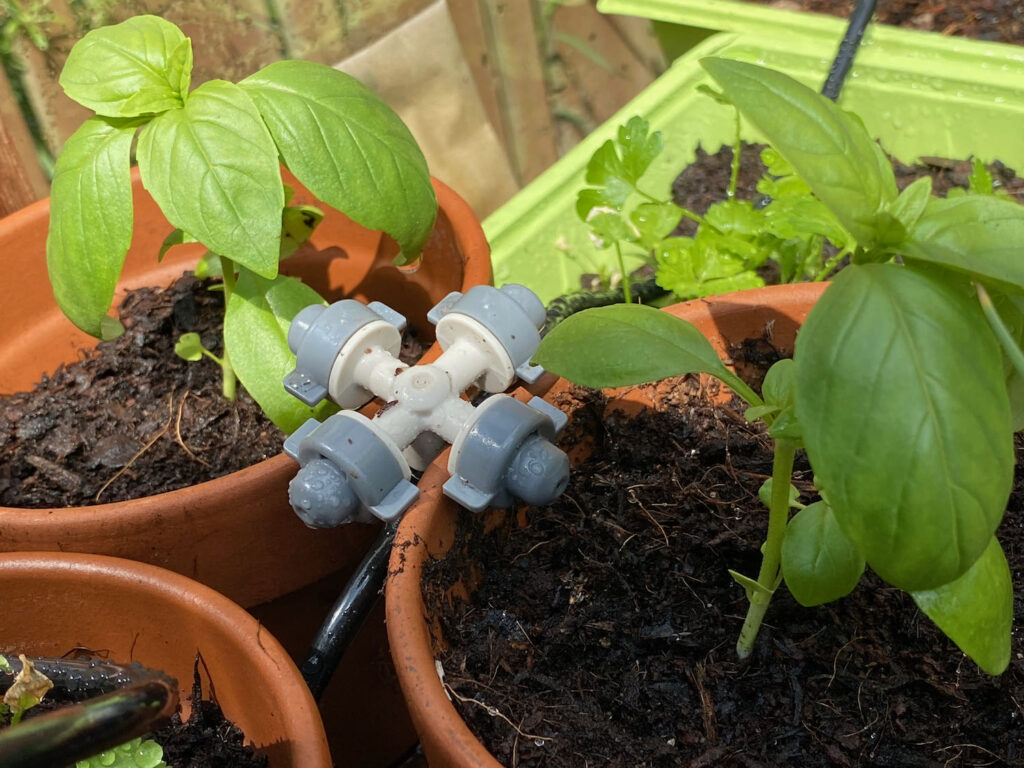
765, 20
917, 98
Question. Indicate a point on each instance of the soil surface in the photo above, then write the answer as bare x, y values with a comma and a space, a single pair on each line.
131, 418
603, 628
996, 20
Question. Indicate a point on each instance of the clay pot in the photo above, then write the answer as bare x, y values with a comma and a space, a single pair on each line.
55, 602
429, 528
238, 534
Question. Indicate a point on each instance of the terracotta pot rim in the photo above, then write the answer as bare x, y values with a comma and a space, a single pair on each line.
300, 718
406, 615
477, 272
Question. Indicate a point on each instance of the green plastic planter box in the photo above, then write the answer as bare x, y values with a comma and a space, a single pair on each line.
920, 99
680, 22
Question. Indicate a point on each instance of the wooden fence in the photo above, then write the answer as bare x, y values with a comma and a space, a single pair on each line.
545, 72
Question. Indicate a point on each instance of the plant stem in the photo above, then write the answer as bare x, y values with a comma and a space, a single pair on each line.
778, 517
228, 379
626, 293
1013, 352
734, 172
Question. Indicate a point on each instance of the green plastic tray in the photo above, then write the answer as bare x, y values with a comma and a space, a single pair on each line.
757, 20
920, 99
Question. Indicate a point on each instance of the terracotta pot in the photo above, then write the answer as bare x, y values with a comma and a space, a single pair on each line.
54, 603
237, 534
429, 528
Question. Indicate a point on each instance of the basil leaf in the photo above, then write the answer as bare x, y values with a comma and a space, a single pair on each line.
349, 148
906, 420
256, 323
212, 168
912, 201
976, 610
979, 235
819, 563
137, 67
627, 344
90, 220
828, 147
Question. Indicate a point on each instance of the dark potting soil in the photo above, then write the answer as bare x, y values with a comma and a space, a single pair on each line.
995, 20
603, 631
131, 418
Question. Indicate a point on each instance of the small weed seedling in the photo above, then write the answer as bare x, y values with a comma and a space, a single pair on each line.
904, 389
211, 158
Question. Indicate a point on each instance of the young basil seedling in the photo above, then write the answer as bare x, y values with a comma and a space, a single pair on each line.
901, 389
211, 158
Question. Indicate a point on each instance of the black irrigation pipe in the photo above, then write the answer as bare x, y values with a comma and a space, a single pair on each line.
848, 47
360, 593
348, 613
124, 702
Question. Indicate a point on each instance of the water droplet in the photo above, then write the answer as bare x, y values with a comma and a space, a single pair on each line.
538, 742
492, 711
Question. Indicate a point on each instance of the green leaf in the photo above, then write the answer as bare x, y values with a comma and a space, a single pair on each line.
655, 221
212, 168
298, 222
779, 389
349, 148
1011, 312
912, 201
133, 754
177, 237
980, 180
110, 328
819, 563
610, 228
606, 170
979, 235
704, 265
189, 347
764, 493
829, 148
627, 344
750, 586
976, 610
137, 67
906, 420
90, 220
639, 147
256, 336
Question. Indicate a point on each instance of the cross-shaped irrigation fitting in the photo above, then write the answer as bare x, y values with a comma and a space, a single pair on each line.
353, 467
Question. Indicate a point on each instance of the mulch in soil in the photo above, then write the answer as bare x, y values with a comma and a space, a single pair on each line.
994, 20
602, 633
131, 418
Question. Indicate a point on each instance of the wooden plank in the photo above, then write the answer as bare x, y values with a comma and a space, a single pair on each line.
639, 35
468, 20
21, 179
229, 41
329, 30
599, 64
526, 115
57, 115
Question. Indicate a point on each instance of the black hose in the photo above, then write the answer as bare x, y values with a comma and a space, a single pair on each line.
133, 700
571, 303
348, 613
848, 46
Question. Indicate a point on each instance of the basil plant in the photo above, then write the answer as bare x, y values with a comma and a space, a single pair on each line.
211, 158
904, 388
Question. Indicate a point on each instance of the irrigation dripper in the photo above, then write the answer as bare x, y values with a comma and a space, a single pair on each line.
123, 701
354, 468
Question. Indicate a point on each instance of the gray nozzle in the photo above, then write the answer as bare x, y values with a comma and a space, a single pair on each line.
321, 495
539, 472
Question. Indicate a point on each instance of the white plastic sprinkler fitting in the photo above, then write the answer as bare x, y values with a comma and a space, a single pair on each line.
354, 468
